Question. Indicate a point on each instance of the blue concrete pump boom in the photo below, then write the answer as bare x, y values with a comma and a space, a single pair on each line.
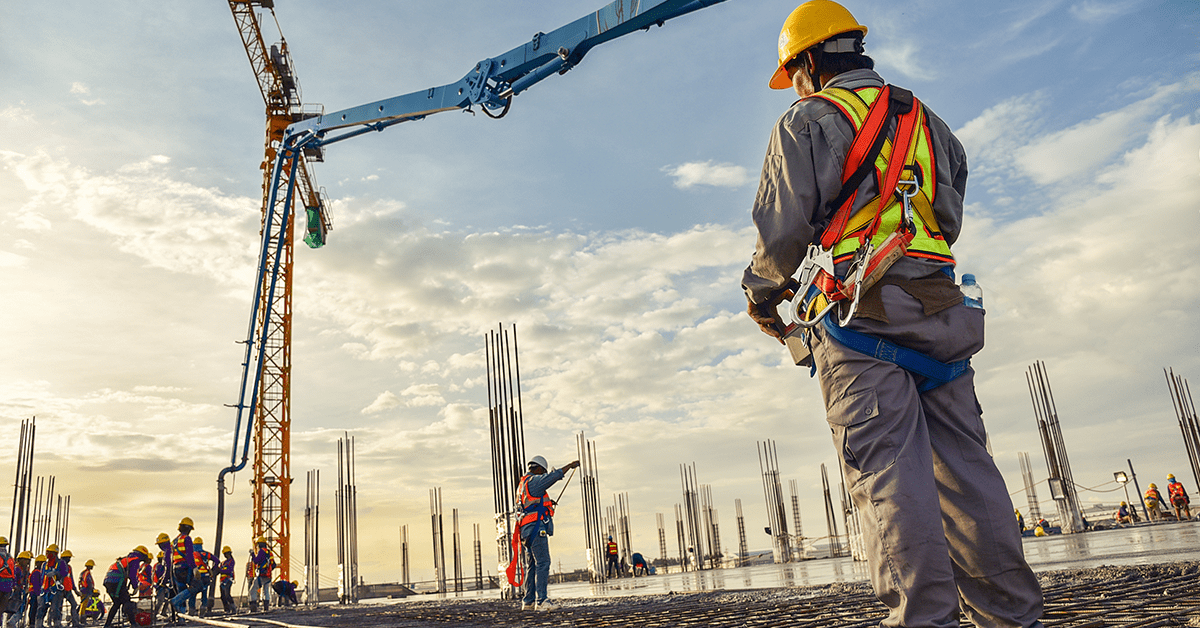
491, 84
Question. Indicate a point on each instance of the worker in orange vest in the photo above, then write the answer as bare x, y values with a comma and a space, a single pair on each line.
612, 558
1179, 498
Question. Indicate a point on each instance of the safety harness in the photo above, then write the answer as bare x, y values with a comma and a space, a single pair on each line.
537, 511
899, 222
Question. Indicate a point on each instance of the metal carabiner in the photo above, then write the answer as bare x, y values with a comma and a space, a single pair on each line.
854, 279
816, 260
907, 222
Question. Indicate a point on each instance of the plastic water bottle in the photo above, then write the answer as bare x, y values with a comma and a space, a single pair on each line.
972, 292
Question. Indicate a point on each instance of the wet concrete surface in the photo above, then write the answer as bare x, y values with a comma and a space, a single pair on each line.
1145, 575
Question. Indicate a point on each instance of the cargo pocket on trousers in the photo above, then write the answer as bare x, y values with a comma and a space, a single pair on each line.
858, 433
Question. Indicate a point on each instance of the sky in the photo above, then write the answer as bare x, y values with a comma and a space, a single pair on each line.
606, 217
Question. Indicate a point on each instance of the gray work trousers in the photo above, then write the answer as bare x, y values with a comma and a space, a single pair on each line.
934, 510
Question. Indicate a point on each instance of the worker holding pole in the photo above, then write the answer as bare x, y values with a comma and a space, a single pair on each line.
877, 226
535, 527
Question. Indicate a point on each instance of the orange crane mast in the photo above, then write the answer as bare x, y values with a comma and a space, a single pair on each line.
272, 424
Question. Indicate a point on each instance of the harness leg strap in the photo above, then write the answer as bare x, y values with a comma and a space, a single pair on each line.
935, 373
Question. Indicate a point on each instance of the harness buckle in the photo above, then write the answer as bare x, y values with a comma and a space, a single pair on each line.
815, 261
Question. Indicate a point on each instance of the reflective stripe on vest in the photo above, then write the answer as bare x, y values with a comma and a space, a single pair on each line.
179, 549
928, 241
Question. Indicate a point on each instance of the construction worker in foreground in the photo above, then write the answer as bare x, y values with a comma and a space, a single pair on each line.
225, 571
262, 562
50, 606
910, 435
34, 599
536, 528
1179, 498
14, 611
205, 563
8, 576
121, 575
86, 584
183, 566
66, 591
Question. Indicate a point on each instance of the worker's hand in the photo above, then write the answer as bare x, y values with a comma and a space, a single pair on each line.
767, 317
571, 465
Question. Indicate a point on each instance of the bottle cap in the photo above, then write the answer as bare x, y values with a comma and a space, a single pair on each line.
968, 278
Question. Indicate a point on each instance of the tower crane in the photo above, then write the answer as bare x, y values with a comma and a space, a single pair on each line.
295, 138
272, 420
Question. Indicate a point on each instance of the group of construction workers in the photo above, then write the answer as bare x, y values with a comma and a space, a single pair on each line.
33, 590
34, 595
1156, 508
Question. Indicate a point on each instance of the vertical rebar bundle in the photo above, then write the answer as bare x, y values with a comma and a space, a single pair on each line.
589, 490
347, 523
854, 540
835, 539
439, 543
405, 578
1035, 510
620, 519
1185, 412
507, 431
478, 560
711, 526
681, 538
768, 465
662, 539
458, 571
312, 561
743, 550
20, 523
697, 532
1062, 484
798, 546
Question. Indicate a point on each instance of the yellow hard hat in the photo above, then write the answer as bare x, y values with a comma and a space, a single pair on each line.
160, 554
141, 549
197, 541
295, 584
1152, 485
1170, 476
67, 554
40, 559
1124, 504
53, 547
226, 550
3, 540
261, 540
810, 24
27, 555
187, 521
162, 538
90, 563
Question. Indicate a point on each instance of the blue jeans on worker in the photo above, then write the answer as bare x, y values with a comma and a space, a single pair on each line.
183, 582
537, 568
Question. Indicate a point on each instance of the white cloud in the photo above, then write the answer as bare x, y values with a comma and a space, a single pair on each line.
695, 173
1097, 12
81, 89
385, 401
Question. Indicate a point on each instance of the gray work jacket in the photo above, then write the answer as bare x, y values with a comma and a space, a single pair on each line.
802, 174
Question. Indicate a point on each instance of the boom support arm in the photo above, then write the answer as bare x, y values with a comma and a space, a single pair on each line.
493, 82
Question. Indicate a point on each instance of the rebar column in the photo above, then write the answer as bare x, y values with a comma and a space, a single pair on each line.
662, 539
439, 544
835, 539
405, 578
741, 520
696, 530
1035, 510
19, 523
478, 561
798, 546
589, 490
768, 465
312, 509
1062, 484
347, 523
506, 427
1185, 412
